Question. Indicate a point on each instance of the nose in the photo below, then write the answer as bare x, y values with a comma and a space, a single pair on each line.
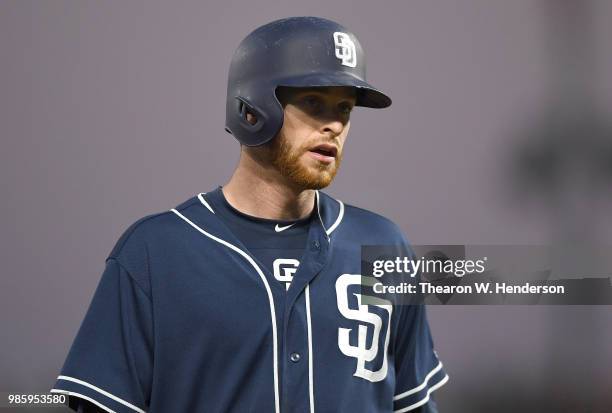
334, 127
333, 122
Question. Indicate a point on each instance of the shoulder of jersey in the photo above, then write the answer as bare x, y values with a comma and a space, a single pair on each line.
159, 227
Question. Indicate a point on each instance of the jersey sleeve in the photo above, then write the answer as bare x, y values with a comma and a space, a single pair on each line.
110, 362
417, 368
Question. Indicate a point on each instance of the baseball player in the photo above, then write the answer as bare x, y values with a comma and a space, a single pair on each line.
246, 298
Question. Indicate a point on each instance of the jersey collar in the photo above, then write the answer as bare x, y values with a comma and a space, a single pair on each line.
330, 211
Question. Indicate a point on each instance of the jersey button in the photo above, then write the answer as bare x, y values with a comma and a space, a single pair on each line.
315, 245
295, 357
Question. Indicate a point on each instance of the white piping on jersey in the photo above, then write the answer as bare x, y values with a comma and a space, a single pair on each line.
319, 215
268, 290
99, 390
338, 219
426, 398
310, 362
82, 396
420, 386
202, 200
340, 216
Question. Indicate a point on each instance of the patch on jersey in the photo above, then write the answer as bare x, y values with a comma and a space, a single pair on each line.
345, 49
284, 268
376, 352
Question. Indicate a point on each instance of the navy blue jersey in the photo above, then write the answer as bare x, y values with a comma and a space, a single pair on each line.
185, 319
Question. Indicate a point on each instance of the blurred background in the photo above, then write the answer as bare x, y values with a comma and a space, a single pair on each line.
499, 133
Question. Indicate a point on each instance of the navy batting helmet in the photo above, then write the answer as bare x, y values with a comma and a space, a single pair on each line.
295, 52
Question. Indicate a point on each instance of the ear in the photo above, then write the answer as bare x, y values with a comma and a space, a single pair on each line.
250, 117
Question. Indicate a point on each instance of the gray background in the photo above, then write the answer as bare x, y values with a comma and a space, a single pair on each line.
112, 110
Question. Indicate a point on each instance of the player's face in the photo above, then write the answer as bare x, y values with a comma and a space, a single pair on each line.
308, 148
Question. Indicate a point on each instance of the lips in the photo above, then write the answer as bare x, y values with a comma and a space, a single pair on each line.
325, 149
324, 153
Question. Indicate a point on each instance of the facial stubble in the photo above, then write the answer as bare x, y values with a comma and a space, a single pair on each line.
287, 161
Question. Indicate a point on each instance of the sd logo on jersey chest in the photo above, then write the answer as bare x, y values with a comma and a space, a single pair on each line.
374, 351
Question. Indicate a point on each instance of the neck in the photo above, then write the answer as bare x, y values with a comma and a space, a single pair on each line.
262, 192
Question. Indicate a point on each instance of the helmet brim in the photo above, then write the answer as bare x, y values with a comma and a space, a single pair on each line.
367, 95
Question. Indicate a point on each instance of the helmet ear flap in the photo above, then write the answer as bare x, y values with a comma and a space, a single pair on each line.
267, 113
243, 106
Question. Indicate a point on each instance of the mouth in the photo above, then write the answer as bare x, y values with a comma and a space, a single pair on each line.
325, 152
